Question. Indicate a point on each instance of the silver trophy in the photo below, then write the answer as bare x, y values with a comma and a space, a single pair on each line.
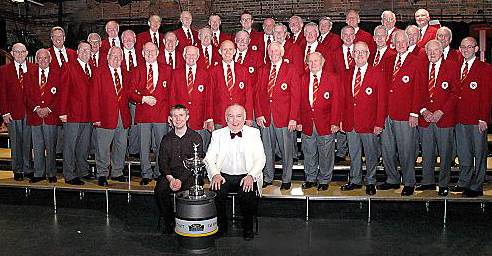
195, 165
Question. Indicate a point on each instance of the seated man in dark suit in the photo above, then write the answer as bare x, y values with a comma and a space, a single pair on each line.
176, 146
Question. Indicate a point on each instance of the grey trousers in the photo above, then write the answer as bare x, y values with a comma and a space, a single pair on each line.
111, 146
59, 139
44, 148
341, 144
398, 143
133, 133
149, 131
318, 151
371, 145
93, 145
20, 141
76, 138
270, 136
472, 154
430, 138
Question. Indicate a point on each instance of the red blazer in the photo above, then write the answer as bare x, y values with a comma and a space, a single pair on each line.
145, 37
139, 57
252, 61
178, 59
285, 100
474, 101
160, 111
241, 93
332, 41
455, 56
104, 49
339, 62
183, 41
390, 38
326, 109
368, 109
71, 55
444, 96
256, 43
12, 92
324, 50
385, 64
222, 37
199, 103
430, 33
301, 40
403, 96
366, 37
33, 98
75, 91
215, 59
292, 54
106, 106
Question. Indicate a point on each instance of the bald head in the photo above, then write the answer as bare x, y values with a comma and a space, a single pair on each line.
43, 58
19, 52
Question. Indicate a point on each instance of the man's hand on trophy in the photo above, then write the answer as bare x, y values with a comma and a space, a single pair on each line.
175, 184
217, 180
247, 183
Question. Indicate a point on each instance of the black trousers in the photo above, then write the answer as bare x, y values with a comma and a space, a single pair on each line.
163, 195
248, 201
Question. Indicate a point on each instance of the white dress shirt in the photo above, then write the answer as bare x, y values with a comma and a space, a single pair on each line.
82, 64
235, 161
193, 70
57, 53
130, 54
345, 50
166, 56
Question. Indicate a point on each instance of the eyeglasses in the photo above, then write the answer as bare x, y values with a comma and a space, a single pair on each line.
18, 52
359, 52
467, 47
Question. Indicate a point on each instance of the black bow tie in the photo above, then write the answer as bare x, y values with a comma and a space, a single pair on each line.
239, 134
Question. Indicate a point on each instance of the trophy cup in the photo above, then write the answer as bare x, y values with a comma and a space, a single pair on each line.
195, 165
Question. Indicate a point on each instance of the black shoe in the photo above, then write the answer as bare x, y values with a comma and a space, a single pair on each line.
339, 159
120, 178
308, 184
285, 186
350, 186
36, 179
425, 187
443, 191
145, 181
59, 156
371, 189
75, 181
322, 187
91, 157
168, 229
266, 184
407, 191
457, 189
102, 181
388, 186
18, 176
472, 193
52, 179
29, 175
248, 235
89, 176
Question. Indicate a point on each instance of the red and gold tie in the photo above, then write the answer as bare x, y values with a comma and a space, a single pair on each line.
190, 80
271, 80
357, 82
229, 80
315, 88
465, 72
397, 67
150, 79
350, 60
432, 80
307, 54
154, 39
87, 71
62, 57
113, 42
376, 59
93, 60
215, 40
21, 76
42, 82
170, 60
240, 58
188, 35
117, 84
207, 60
130, 61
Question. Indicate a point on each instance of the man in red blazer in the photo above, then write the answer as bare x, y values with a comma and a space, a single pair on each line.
255, 36
342, 56
400, 133
277, 111
150, 92
445, 36
413, 38
388, 19
296, 25
321, 99
111, 115
437, 117
191, 87
331, 40
218, 36
41, 93
267, 37
363, 117
74, 112
311, 33
13, 110
383, 52
152, 35
112, 29
58, 50
95, 41
293, 53
427, 32
172, 55
472, 116
230, 85
209, 55
248, 58
185, 34
352, 19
